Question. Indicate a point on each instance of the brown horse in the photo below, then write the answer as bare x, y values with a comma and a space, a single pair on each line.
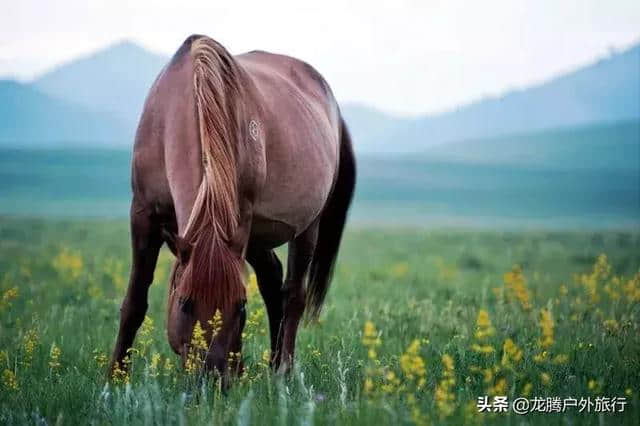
234, 156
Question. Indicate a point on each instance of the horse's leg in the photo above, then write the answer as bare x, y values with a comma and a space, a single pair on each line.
146, 240
268, 271
300, 254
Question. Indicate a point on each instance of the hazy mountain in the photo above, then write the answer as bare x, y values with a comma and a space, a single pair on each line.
606, 91
29, 118
115, 79
610, 146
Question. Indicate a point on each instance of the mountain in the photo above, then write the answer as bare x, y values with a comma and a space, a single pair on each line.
111, 85
606, 91
608, 146
115, 79
29, 118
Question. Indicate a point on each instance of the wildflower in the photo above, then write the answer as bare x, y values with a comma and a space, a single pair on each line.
594, 386
526, 390
511, 354
7, 297
154, 365
266, 358
54, 357
632, 289
546, 327
482, 349
9, 380
516, 286
252, 327
215, 323
195, 357
368, 385
119, 373
545, 379
100, 358
499, 388
168, 367
399, 270
484, 330
371, 339
443, 393
69, 265
412, 364
601, 270
252, 286
611, 325
145, 337
628, 392
560, 359
563, 290
29, 343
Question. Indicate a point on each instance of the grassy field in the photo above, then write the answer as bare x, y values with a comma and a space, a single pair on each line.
418, 325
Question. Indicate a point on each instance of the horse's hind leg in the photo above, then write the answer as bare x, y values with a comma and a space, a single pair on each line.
268, 271
146, 240
300, 254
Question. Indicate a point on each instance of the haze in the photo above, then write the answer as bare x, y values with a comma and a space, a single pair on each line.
405, 57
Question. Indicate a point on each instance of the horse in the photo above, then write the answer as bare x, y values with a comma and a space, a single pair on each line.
233, 157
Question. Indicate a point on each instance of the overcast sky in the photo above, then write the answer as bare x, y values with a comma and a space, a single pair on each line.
407, 57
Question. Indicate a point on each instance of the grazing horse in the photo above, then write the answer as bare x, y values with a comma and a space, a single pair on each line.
233, 157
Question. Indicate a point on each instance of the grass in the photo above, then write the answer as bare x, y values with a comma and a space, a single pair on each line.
418, 325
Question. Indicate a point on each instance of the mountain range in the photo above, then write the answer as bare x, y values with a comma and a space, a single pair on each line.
95, 101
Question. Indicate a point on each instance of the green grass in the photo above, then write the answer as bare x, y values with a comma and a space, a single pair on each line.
410, 283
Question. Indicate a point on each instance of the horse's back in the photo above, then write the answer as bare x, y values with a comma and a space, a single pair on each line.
302, 136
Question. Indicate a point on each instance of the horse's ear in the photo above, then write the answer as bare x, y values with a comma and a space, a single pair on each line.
180, 247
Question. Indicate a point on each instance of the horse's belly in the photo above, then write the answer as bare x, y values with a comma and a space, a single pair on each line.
290, 202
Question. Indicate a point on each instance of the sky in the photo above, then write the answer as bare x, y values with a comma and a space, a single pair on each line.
406, 57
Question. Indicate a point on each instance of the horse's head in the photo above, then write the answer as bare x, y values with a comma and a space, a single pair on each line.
206, 306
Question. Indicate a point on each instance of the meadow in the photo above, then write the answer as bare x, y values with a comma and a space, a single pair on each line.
418, 324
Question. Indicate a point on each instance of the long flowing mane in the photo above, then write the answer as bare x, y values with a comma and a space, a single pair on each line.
214, 272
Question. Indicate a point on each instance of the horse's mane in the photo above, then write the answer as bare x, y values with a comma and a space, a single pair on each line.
214, 272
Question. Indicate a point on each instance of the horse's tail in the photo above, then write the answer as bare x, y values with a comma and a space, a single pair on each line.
332, 223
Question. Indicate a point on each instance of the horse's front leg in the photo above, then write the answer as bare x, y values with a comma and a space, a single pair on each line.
293, 292
268, 271
146, 241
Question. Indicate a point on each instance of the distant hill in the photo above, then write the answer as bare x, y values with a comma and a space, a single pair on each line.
115, 79
111, 85
29, 118
606, 91
611, 146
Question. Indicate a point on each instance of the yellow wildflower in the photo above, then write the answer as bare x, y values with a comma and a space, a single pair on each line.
54, 357
9, 380
195, 357
371, 339
145, 338
154, 365
29, 343
7, 297
399, 270
511, 354
252, 286
411, 362
120, 374
443, 393
546, 327
69, 265
215, 323
611, 325
545, 379
516, 286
